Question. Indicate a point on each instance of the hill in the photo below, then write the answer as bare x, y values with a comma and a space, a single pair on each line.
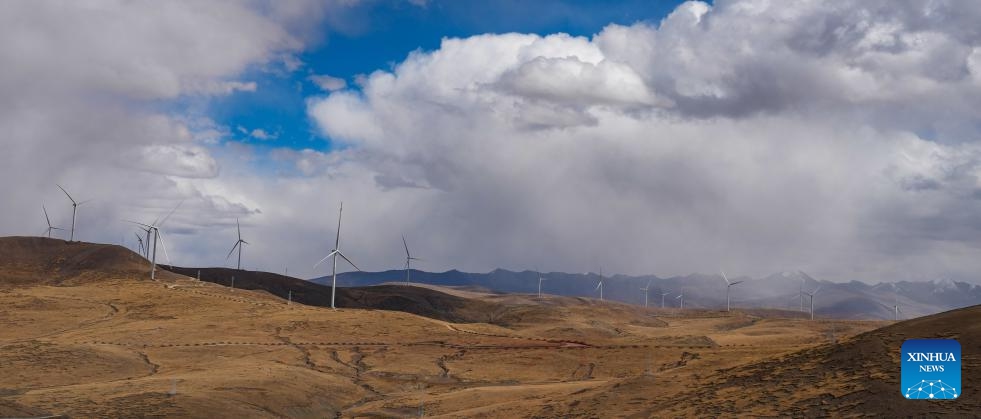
851, 300
47, 261
856, 377
417, 300
104, 344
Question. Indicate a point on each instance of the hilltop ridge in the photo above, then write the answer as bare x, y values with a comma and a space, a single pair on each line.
61, 262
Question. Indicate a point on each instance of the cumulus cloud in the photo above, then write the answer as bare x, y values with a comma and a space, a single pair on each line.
328, 83
92, 94
750, 135
261, 134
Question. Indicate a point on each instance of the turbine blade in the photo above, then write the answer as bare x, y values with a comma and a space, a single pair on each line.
66, 194
406, 247
597, 286
231, 251
325, 258
139, 224
164, 220
239, 228
46, 215
164, 246
724, 277
815, 291
737, 282
348, 260
337, 240
80, 203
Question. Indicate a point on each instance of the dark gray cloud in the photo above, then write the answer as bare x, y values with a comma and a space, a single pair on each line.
838, 138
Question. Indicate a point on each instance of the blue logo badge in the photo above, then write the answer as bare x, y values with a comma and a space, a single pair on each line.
931, 369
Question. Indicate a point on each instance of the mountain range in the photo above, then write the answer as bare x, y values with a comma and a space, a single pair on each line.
848, 300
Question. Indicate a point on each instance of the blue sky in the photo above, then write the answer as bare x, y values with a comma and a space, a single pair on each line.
379, 34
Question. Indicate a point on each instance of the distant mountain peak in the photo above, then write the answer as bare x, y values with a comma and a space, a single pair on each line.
943, 285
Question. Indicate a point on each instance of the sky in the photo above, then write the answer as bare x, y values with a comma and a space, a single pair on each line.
840, 138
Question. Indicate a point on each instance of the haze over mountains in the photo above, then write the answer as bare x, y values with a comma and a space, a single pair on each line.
852, 300
87, 334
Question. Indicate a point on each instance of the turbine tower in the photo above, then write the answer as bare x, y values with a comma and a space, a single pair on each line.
139, 240
801, 294
728, 286
334, 254
48, 231
811, 294
408, 259
540, 279
154, 229
74, 210
647, 291
600, 285
146, 243
895, 306
662, 298
238, 244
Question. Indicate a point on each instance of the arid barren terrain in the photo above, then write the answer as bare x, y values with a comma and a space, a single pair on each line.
86, 334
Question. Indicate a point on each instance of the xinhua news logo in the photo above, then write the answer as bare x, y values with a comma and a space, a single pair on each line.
931, 369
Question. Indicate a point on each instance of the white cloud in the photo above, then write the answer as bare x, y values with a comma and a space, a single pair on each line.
753, 135
328, 83
261, 134
93, 95
220, 88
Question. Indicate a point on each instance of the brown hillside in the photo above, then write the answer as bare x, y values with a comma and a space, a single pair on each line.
860, 376
106, 342
41, 260
410, 299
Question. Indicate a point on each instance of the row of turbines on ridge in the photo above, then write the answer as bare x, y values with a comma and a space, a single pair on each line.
152, 232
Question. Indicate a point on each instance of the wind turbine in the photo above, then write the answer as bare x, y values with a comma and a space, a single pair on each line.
540, 279
146, 243
647, 291
49, 222
408, 259
154, 228
728, 285
238, 244
682, 298
335, 253
895, 309
74, 210
895, 305
140, 241
662, 298
600, 285
811, 294
802, 294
